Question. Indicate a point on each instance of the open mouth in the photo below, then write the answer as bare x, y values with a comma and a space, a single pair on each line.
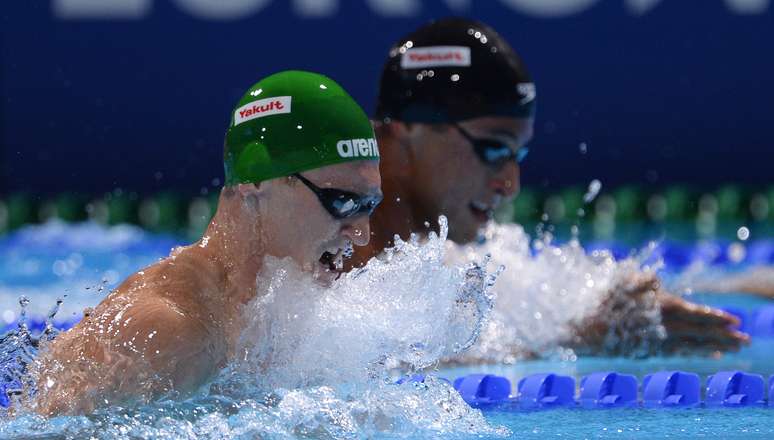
333, 260
484, 212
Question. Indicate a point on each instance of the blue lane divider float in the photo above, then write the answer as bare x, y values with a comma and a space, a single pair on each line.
481, 390
546, 390
608, 389
734, 388
671, 388
664, 389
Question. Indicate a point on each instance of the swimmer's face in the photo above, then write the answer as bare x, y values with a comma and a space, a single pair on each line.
305, 231
450, 179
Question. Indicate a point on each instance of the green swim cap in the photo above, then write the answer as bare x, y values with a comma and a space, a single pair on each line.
295, 121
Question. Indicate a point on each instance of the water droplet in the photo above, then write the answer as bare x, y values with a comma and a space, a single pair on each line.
591, 193
743, 233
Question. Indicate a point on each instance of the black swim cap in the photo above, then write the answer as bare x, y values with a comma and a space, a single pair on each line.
451, 70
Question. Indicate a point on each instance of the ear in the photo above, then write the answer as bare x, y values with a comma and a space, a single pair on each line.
249, 189
252, 192
394, 132
402, 132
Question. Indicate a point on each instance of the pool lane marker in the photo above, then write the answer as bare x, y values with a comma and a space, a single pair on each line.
663, 389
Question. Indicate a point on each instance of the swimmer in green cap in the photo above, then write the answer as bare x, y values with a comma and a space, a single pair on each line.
302, 178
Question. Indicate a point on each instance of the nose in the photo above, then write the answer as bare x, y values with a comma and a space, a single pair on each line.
357, 230
506, 181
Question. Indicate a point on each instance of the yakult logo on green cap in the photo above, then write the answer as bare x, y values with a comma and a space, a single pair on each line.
357, 148
262, 107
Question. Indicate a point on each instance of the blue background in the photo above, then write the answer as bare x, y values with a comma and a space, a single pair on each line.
679, 93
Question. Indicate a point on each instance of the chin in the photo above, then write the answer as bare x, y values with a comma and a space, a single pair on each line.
464, 234
324, 277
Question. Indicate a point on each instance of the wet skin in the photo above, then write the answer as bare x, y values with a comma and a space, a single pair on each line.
171, 326
432, 170
757, 281
429, 170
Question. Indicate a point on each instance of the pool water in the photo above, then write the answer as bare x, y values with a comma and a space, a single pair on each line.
81, 263
639, 423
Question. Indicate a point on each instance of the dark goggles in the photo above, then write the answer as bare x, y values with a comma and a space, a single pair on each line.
342, 204
493, 152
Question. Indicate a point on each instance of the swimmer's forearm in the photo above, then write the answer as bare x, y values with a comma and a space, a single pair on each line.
759, 281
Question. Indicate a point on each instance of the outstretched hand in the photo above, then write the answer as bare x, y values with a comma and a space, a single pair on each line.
627, 323
694, 327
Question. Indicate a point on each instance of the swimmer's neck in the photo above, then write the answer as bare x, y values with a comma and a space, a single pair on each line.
234, 250
395, 216
399, 213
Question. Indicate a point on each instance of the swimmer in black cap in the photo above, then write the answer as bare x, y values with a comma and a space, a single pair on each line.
454, 115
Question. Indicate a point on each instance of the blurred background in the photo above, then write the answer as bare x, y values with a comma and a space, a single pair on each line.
115, 110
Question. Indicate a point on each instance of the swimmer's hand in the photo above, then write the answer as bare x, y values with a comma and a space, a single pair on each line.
640, 319
695, 328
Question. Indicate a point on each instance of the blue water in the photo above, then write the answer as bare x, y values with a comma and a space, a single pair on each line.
81, 263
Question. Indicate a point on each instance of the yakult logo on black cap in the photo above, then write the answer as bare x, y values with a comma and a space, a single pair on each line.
435, 56
357, 148
262, 107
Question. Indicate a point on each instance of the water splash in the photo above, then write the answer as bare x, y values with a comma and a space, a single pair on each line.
318, 362
396, 411
405, 309
542, 299
18, 349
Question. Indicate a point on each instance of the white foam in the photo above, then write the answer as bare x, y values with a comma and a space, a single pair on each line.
408, 308
543, 298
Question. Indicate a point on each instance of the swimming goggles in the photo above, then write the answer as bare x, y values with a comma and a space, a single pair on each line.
342, 204
493, 152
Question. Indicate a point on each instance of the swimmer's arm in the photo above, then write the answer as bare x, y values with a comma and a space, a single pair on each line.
757, 281
150, 351
690, 328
